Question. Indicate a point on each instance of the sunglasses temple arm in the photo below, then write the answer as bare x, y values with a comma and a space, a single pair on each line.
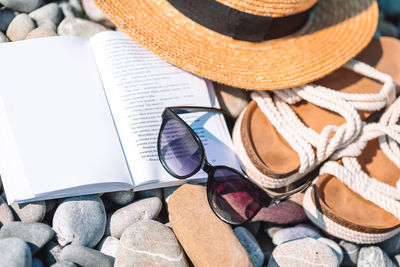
199, 109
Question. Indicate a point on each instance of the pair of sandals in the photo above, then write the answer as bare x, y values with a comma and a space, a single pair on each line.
285, 135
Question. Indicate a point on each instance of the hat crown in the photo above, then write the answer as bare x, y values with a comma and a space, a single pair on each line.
270, 8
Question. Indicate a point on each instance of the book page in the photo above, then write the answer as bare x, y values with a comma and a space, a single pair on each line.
139, 85
56, 129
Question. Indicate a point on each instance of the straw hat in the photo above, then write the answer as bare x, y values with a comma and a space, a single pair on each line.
252, 44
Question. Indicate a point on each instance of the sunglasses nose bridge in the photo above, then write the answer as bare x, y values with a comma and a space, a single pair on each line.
207, 167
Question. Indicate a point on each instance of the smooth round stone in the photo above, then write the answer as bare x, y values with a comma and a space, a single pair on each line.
30, 212
250, 244
121, 219
35, 234
77, 5
387, 28
109, 246
6, 214
85, 256
350, 253
121, 197
49, 12
80, 221
253, 227
333, 245
392, 245
6, 16
50, 254
14, 252
3, 39
207, 240
25, 6
94, 13
40, 33
292, 233
64, 264
149, 243
67, 10
79, 27
303, 252
232, 99
283, 213
271, 231
37, 263
149, 193
19, 27
373, 256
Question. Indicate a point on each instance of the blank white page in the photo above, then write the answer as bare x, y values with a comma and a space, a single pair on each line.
56, 128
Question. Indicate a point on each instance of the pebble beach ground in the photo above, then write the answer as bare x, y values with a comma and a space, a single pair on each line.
160, 227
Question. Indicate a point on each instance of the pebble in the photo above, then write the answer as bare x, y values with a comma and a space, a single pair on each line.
149, 193
121, 197
292, 233
303, 252
109, 246
333, 245
232, 99
85, 256
249, 242
80, 221
77, 6
14, 252
283, 213
94, 13
167, 192
6, 16
51, 203
392, 245
40, 33
253, 227
350, 253
6, 214
50, 254
37, 263
265, 244
19, 27
67, 10
121, 219
203, 236
387, 28
30, 212
64, 264
79, 27
390, 7
373, 256
35, 234
397, 260
50, 12
24, 6
149, 243
271, 231
48, 24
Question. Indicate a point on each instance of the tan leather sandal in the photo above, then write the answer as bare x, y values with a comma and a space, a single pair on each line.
284, 134
357, 195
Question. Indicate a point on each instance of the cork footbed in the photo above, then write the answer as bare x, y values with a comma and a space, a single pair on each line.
268, 150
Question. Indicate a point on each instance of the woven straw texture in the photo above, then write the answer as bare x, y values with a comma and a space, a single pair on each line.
270, 8
336, 31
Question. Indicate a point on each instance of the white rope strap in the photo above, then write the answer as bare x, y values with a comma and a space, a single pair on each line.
304, 139
350, 173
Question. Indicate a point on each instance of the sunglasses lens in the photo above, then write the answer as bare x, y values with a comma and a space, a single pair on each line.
234, 197
179, 150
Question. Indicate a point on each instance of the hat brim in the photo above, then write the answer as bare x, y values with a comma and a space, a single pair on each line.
336, 31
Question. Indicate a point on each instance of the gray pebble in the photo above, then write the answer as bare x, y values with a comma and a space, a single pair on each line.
93, 12
19, 27
77, 5
85, 256
37, 263
35, 234
64, 264
79, 27
121, 197
50, 254
333, 245
80, 221
253, 227
250, 244
50, 12
167, 192
30, 212
6, 16
6, 214
292, 233
149, 243
350, 253
121, 219
50, 205
48, 24
109, 246
392, 245
25, 6
67, 10
14, 252
3, 39
373, 256
149, 193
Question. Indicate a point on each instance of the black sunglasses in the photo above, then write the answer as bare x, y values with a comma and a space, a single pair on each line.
231, 195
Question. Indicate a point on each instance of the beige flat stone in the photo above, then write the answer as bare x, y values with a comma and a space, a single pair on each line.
206, 239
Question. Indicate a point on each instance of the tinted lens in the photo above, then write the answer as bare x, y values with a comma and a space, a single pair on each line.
234, 197
179, 150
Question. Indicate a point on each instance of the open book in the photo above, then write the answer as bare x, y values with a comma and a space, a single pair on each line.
82, 116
